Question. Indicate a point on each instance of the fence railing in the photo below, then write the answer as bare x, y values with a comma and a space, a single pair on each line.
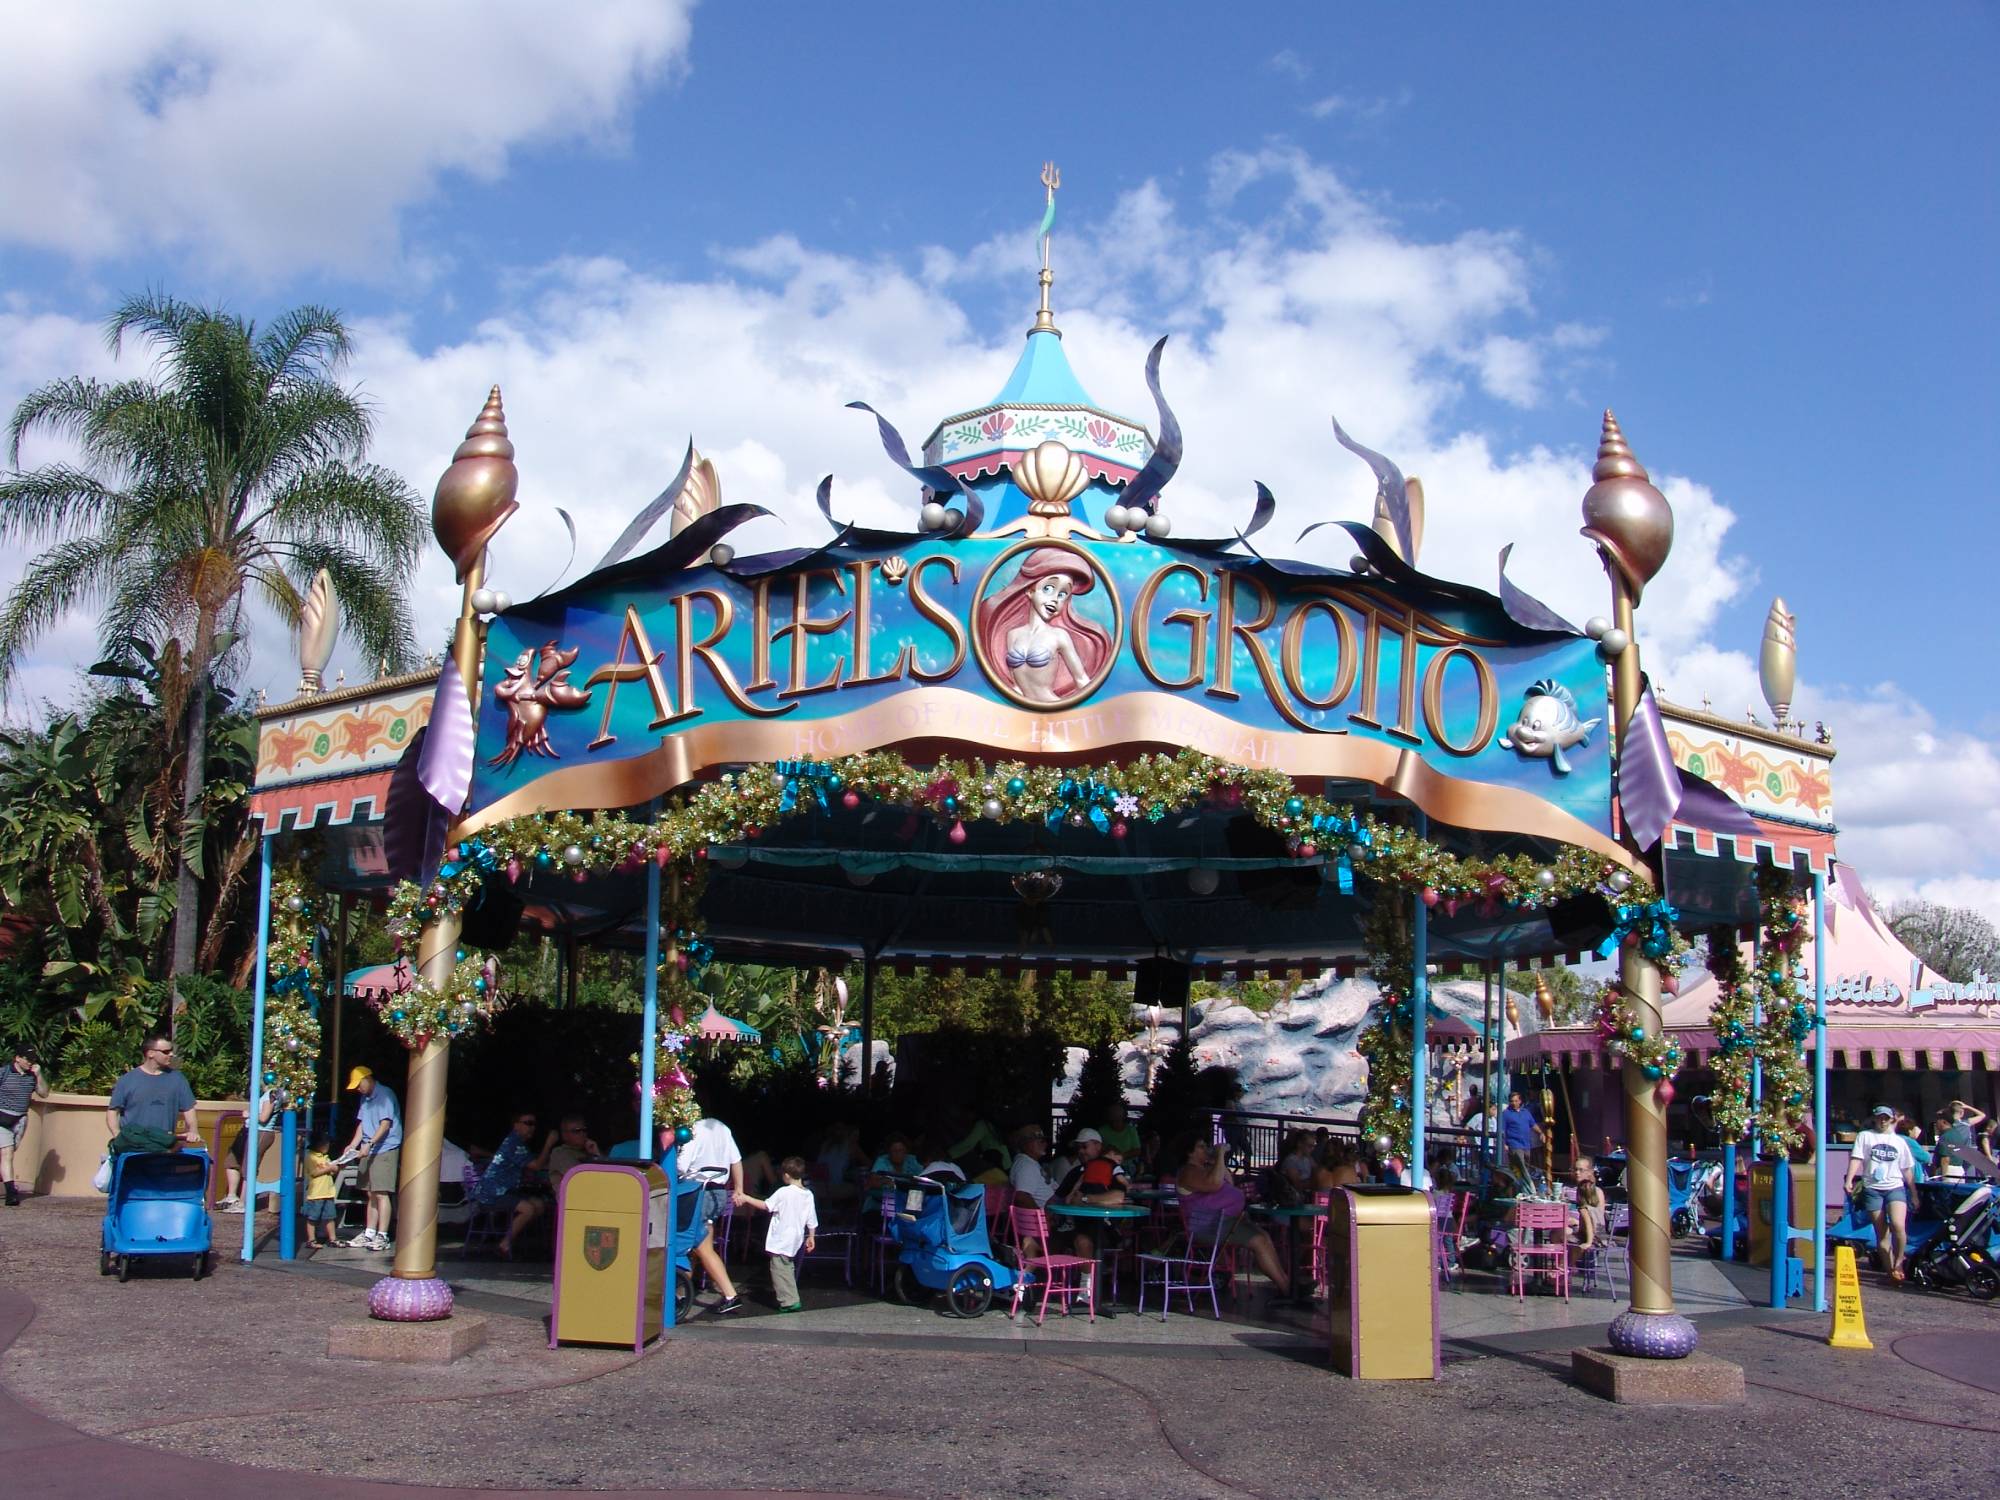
1255, 1138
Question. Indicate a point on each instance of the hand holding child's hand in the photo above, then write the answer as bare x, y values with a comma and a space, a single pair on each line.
811, 1244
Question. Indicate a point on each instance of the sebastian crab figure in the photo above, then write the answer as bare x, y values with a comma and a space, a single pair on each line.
530, 689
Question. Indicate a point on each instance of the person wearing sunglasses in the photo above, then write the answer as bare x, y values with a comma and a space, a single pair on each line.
152, 1105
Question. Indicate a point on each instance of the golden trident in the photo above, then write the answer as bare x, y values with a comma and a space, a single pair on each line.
1045, 320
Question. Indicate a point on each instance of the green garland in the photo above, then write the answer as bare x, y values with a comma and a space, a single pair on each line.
1778, 1042
680, 997
466, 1002
1387, 1043
739, 805
292, 983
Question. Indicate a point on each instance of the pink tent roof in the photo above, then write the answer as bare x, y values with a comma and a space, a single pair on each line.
714, 1026
1884, 1008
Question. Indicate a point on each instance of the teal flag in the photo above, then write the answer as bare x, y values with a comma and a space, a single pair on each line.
1048, 222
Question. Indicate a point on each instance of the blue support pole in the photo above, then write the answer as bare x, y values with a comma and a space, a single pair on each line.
670, 1164
1781, 1228
1420, 1001
1819, 1093
1729, 1201
288, 1185
256, 1049
650, 1034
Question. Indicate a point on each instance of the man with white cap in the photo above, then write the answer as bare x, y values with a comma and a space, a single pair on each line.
378, 1141
1882, 1165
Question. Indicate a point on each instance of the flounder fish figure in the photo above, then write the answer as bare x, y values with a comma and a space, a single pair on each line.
1548, 724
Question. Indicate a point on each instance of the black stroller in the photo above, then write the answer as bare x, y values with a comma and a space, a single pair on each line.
1961, 1252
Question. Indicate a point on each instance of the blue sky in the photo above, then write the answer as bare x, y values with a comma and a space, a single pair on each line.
1764, 234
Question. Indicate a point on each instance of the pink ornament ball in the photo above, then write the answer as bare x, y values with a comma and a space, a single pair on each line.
1430, 896
1664, 1092
850, 799
957, 834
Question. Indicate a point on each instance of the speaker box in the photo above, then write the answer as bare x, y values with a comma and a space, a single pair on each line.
1579, 923
492, 918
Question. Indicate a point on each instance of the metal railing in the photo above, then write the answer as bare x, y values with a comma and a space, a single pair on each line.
1255, 1137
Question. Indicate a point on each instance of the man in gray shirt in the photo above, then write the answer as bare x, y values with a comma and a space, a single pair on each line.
152, 1104
21, 1083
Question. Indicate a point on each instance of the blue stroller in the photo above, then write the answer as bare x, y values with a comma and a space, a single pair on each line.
1686, 1180
158, 1205
941, 1228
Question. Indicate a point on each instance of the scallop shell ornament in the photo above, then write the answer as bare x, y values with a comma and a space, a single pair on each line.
1624, 514
1050, 476
476, 494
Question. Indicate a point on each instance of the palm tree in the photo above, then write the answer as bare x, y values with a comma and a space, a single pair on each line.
234, 470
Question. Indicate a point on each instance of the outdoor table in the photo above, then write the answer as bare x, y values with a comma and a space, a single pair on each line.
1100, 1211
1285, 1219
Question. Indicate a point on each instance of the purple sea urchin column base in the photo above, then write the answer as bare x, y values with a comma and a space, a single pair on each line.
396, 1300
1652, 1335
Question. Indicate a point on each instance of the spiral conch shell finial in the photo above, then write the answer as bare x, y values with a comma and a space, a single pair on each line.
319, 626
1624, 514
1777, 661
476, 494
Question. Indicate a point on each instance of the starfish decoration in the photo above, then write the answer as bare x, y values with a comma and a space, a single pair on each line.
1814, 788
286, 747
1736, 774
358, 734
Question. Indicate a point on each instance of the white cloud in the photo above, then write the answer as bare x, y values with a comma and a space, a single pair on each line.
1290, 298
276, 138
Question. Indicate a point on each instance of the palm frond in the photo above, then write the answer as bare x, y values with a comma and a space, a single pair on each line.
302, 344
53, 501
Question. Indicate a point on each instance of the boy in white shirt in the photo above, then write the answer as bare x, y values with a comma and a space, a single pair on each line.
1882, 1165
794, 1218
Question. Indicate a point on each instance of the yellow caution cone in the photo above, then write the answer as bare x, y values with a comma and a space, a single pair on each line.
1850, 1329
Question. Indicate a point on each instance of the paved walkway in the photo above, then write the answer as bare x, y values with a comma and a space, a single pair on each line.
167, 1387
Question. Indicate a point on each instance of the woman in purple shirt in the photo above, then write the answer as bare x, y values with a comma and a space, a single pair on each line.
1211, 1202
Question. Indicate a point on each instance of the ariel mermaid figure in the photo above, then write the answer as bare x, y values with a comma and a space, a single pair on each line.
1050, 652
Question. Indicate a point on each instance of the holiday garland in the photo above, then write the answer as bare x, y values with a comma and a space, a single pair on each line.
291, 994
680, 998
739, 805
466, 1002
1387, 1043
1778, 1041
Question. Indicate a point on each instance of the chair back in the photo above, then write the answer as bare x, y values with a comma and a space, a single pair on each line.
1617, 1216
1030, 1224
470, 1176
1541, 1216
1208, 1230
999, 1200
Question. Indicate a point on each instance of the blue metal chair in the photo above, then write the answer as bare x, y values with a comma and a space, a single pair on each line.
633, 1150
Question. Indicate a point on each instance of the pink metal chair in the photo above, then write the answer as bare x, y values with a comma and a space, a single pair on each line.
1193, 1267
1065, 1276
1541, 1245
999, 1224
1323, 1200
485, 1223
1447, 1230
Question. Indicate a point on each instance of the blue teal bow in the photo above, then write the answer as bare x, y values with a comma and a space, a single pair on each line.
1652, 923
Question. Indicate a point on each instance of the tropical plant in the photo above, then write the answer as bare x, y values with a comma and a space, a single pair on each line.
235, 472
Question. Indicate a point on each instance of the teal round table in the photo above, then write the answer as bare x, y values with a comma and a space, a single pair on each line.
1101, 1212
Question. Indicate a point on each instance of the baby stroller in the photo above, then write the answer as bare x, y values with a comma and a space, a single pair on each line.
158, 1205
1686, 1181
940, 1228
1960, 1252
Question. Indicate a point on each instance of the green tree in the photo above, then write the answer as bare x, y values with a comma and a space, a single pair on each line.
1178, 1097
1956, 941
1098, 1084
1575, 997
234, 471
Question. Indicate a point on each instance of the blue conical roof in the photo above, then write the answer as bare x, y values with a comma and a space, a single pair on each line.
1042, 376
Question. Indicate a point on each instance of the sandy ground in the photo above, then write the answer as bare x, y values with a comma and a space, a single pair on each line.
235, 1369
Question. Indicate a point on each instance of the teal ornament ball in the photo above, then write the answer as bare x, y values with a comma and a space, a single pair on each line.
1652, 1070
1294, 806
1638, 1033
1016, 786
269, 1076
682, 1135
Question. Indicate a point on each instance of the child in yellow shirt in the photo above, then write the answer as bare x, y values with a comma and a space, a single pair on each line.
319, 1194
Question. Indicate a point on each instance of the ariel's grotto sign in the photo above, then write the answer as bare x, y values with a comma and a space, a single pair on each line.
626, 684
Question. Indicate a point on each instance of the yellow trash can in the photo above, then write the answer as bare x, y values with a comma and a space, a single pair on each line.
1382, 1284
611, 1255
1800, 1216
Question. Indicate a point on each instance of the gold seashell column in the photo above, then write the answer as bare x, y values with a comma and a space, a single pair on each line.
474, 498
1633, 527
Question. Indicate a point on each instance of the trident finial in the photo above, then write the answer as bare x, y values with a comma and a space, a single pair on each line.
1045, 319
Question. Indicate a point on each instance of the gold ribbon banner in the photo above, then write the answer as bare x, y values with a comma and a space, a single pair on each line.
941, 720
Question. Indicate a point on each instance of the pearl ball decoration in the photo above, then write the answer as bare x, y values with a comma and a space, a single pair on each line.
1118, 519
934, 516
1158, 527
573, 855
722, 554
483, 601
1612, 643
1596, 627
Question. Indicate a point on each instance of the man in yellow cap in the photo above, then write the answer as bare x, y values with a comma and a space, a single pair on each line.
378, 1142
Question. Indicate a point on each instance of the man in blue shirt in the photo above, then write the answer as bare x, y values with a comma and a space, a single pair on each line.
1520, 1133
378, 1141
